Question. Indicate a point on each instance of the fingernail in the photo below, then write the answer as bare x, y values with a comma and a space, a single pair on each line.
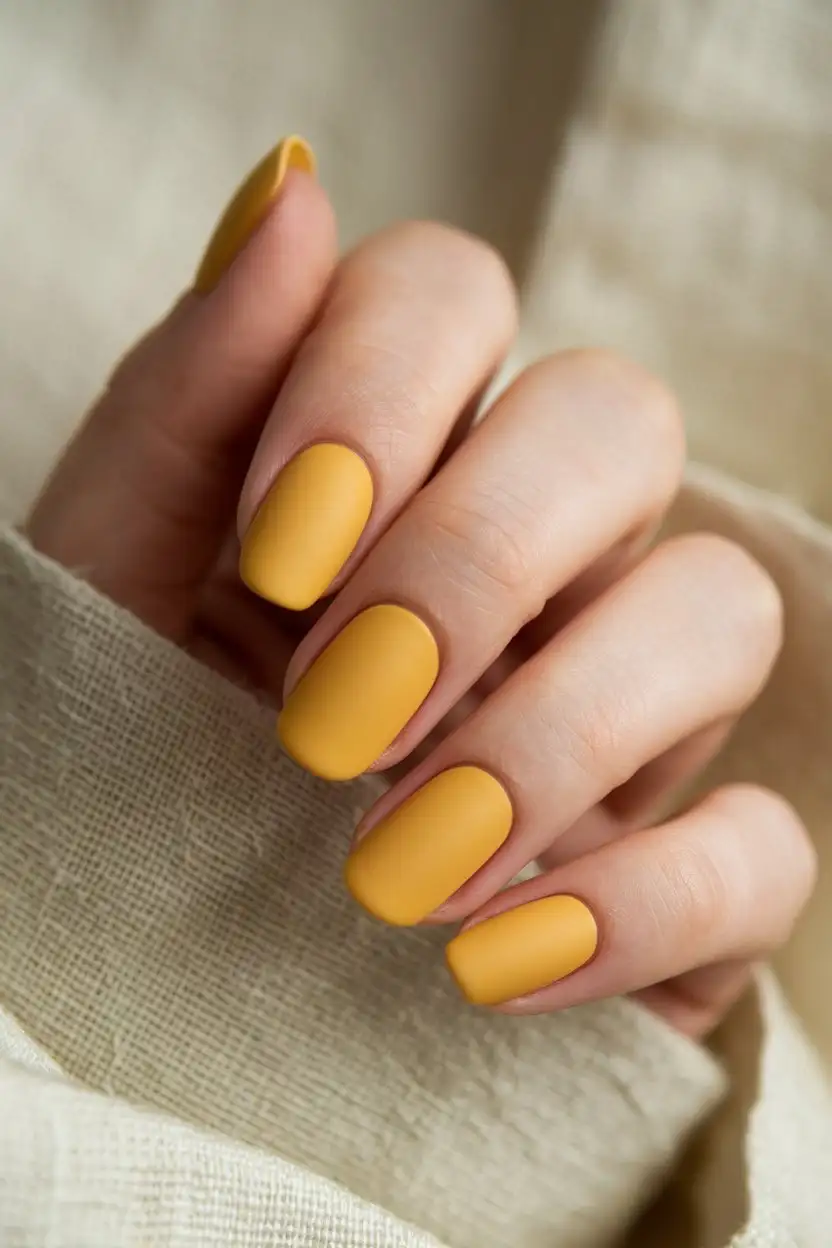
521, 950
360, 692
248, 208
307, 526
417, 857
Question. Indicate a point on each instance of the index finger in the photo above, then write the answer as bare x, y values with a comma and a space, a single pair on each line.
416, 321
145, 494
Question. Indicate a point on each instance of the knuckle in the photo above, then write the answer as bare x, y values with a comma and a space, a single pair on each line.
483, 273
595, 731
652, 408
631, 413
486, 550
801, 853
467, 265
699, 893
728, 573
467, 255
779, 834
768, 857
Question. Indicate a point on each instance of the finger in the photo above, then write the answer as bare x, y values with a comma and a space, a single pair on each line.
649, 665
556, 614
725, 882
694, 1003
639, 799
143, 497
415, 323
575, 597
240, 636
570, 459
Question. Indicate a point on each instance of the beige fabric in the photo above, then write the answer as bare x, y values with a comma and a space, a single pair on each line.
786, 739
81, 1170
689, 225
176, 932
129, 124
692, 227
783, 1166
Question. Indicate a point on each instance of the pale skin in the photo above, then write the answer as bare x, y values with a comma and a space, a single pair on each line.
591, 672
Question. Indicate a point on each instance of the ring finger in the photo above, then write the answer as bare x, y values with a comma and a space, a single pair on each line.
684, 641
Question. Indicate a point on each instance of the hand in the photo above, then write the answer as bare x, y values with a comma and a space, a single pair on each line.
499, 635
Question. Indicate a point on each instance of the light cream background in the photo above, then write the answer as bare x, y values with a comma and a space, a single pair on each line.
689, 226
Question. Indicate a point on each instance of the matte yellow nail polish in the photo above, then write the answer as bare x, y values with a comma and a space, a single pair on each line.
307, 526
417, 857
360, 692
521, 950
248, 208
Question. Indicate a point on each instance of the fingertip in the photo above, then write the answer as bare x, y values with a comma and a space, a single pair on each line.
268, 185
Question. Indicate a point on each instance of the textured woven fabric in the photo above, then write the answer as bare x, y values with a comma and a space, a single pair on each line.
176, 932
691, 227
767, 1162
80, 1170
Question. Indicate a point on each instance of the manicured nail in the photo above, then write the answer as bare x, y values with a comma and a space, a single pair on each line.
417, 857
248, 208
521, 950
360, 692
307, 526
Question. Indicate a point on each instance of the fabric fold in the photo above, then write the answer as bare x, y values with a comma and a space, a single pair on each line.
180, 881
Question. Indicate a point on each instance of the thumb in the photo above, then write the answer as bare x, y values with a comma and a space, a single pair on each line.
145, 494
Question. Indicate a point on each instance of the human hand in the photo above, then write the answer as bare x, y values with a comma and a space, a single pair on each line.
498, 635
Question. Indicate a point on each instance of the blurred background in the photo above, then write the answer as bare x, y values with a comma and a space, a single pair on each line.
658, 174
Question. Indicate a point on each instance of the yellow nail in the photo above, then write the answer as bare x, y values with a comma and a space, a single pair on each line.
418, 856
360, 692
521, 950
248, 208
307, 526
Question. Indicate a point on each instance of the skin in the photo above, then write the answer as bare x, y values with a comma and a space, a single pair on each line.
592, 673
